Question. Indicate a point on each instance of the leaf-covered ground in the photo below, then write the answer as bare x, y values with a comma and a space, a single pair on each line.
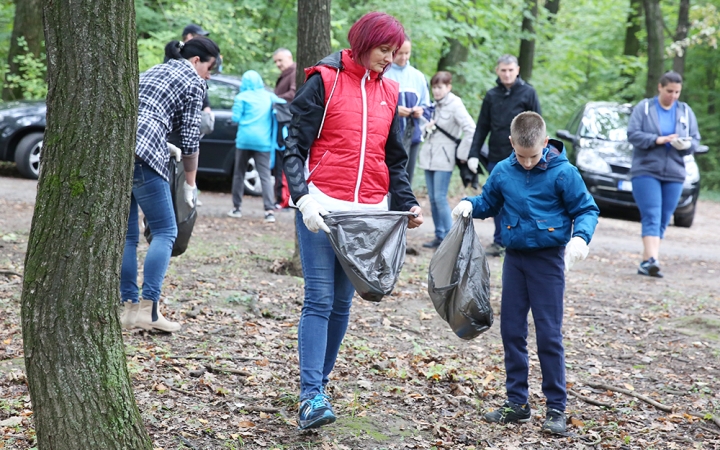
229, 378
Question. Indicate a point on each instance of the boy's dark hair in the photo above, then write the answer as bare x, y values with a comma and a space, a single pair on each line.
441, 77
528, 130
199, 46
670, 77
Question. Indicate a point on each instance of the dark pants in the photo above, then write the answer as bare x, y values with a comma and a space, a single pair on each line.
534, 281
277, 172
497, 238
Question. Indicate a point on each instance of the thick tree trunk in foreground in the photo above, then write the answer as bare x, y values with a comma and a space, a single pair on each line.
527, 45
681, 33
28, 25
313, 44
79, 384
656, 45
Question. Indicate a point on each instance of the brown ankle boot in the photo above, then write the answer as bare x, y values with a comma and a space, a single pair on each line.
129, 314
144, 319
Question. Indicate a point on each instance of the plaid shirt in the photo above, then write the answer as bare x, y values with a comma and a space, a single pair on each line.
171, 96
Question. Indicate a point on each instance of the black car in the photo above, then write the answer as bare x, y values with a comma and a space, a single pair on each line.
22, 125
597, 134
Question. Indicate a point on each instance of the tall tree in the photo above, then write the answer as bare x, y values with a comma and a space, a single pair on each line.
28, 26
632, 28
553, 7
77, 374
527, 43
313, 44
656, 45
681, 33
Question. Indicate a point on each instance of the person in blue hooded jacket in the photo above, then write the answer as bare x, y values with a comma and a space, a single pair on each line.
548, 220
256, 138
662, 130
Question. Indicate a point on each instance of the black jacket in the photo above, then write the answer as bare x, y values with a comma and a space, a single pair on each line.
307, 109
499, 108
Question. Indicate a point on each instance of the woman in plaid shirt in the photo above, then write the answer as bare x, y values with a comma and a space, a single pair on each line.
171, 97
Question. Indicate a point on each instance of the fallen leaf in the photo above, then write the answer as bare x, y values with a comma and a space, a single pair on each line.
246, 424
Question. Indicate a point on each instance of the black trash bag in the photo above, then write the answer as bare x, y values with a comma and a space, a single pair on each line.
459, 281
370, 246
185, 216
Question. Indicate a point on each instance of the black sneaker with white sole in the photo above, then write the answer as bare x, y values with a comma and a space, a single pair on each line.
510, 413
650, 268
555, 421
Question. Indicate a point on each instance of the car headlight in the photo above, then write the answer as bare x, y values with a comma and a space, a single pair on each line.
590, 161
692, 172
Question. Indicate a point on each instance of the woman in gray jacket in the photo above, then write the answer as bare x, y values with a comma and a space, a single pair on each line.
448, 136
662, 131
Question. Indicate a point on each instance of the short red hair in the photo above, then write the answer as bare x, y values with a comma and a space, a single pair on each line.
373, 30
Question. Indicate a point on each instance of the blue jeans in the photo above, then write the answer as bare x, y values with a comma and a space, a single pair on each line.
534, 281
151, 193
437, 183
656, 201
497, 236
325, 312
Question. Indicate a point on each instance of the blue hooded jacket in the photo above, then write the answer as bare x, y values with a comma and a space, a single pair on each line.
542, 207
253, 112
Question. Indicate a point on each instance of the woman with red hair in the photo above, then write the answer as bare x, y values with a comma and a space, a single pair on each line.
344, 153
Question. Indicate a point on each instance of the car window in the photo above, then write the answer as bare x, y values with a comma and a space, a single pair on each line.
221, 94
606, 123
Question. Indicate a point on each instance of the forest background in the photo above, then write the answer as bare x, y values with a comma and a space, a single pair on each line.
572, 51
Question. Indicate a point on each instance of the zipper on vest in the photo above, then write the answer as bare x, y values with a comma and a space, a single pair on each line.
364, 138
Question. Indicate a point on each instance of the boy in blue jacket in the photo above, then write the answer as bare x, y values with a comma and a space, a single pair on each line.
547, 223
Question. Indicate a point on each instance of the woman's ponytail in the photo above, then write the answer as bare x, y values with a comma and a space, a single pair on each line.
173, 50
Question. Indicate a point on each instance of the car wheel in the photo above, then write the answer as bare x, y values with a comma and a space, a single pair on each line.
27, 155
685, 220
252, 180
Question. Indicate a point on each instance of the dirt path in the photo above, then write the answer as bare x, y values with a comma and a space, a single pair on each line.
403, 380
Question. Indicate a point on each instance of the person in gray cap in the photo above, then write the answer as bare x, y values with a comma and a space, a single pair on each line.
193, 30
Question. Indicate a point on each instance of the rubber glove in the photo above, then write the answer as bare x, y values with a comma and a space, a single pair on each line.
681, 144
174, 152
312, 214
473, 164
464, 208
190, 194
576, 250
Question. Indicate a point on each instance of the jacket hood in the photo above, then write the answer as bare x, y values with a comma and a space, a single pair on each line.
251, 81
342, 60
556, 155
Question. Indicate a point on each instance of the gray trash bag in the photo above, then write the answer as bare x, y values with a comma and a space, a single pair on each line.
370, 246
459, 281
185, 216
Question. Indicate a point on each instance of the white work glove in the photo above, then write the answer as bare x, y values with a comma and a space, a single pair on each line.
473, 164
681, 144
190, 194
312, 214
464, 208
576, 250
174, 152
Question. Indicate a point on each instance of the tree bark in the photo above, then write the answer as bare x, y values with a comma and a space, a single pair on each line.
457, 53
552, 6
77, 374
313, 44
527, 45
27, 24
681, 33
656, 47
632, 28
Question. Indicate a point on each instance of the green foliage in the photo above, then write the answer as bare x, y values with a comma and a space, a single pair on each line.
31, 76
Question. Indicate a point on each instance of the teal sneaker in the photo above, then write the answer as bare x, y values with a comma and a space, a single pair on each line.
509, 413
316, 412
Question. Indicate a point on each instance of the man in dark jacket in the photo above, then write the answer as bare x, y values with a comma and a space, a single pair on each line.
285, 89
501, 104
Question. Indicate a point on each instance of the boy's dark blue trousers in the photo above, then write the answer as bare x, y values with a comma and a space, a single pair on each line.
534, 281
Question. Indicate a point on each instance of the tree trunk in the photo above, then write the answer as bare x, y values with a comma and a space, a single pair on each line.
27, 24
633, 27
313, 44
656, 47
527, 44
457, 53
77, 374
681, 33
552, 6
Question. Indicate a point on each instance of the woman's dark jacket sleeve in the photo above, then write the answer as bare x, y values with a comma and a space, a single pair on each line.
307, 111
396, 159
